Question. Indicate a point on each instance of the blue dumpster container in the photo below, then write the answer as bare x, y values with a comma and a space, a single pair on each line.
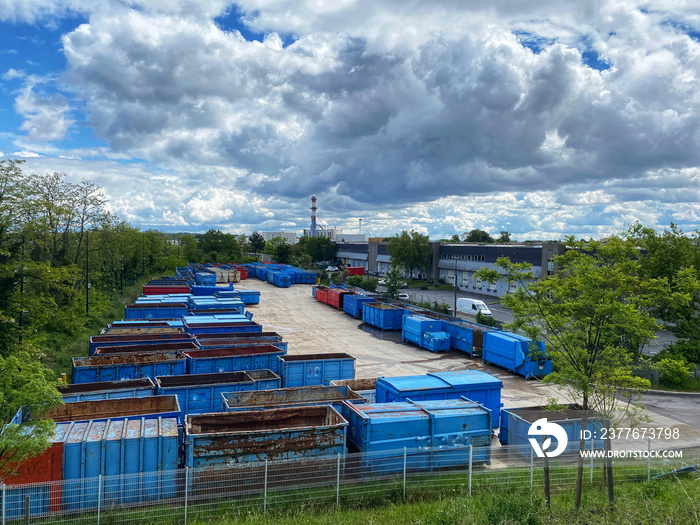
472, 384
315, 369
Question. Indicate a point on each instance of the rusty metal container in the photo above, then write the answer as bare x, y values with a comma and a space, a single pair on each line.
257, 435
128, 366
289, 397
107, 390
137, 408
168, 348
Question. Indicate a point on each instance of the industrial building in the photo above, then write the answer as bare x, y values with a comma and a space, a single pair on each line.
461, 261
289, 237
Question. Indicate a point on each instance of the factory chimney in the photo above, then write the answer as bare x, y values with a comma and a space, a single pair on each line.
313, 216
360, 226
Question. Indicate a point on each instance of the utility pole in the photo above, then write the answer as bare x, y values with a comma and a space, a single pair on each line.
454, 311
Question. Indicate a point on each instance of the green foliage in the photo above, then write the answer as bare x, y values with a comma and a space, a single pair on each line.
319, 248
409, 252
485, 320
257, 242
217, 246
477, 236
504, 237
593, 314
25, 383
363, 281
682, 349
393, 282
356, 280
674, 256
674, 373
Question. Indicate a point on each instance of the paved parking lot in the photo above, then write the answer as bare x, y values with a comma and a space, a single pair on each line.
313, 327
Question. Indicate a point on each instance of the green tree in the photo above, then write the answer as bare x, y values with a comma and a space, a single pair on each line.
220, 247
25, 384
477, 236
504, 237
319, 248
455, 238
590, 313
190, 248
279, 249
675, 256
257, 242
410, 252
393, 282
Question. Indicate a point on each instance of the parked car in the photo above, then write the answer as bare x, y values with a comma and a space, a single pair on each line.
382, 282
403, 296
404, 285
332, 269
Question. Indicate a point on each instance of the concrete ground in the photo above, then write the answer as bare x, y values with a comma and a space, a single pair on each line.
313, 327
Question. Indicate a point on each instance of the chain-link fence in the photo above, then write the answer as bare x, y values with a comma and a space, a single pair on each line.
186, 495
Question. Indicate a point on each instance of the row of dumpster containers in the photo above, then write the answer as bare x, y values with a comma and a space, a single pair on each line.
428, 330
296, 370
269, 430
282, 275
82, 450
117, 367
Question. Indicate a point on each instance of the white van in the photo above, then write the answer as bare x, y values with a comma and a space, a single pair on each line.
472, 306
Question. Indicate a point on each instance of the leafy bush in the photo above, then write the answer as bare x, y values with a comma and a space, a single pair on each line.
674, 373
485, 320
682, 349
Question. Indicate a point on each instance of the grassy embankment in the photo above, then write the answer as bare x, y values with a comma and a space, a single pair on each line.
62, 347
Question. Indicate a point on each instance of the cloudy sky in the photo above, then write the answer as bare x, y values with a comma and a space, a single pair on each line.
542, 118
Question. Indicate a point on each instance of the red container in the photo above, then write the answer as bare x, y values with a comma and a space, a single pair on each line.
244, 272
158, 289
322, 295
355, 270
335, 297
43, 468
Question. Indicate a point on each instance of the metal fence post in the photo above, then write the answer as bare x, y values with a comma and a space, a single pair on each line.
404, 473
470, 469
591, 466
99, 497
3, 504
337, 486
27, 509
187, 488
532, 468
648, 459
265, 493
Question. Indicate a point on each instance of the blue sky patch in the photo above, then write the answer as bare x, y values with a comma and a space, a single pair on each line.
533, 42
233, 21
682, 27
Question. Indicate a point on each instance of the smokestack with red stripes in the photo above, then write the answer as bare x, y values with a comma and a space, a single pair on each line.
313, 216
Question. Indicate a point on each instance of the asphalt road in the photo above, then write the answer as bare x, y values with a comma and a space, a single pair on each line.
502, 315
685, 408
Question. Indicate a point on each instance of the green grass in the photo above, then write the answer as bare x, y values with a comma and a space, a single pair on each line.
427, 286
669, 502
500, 497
